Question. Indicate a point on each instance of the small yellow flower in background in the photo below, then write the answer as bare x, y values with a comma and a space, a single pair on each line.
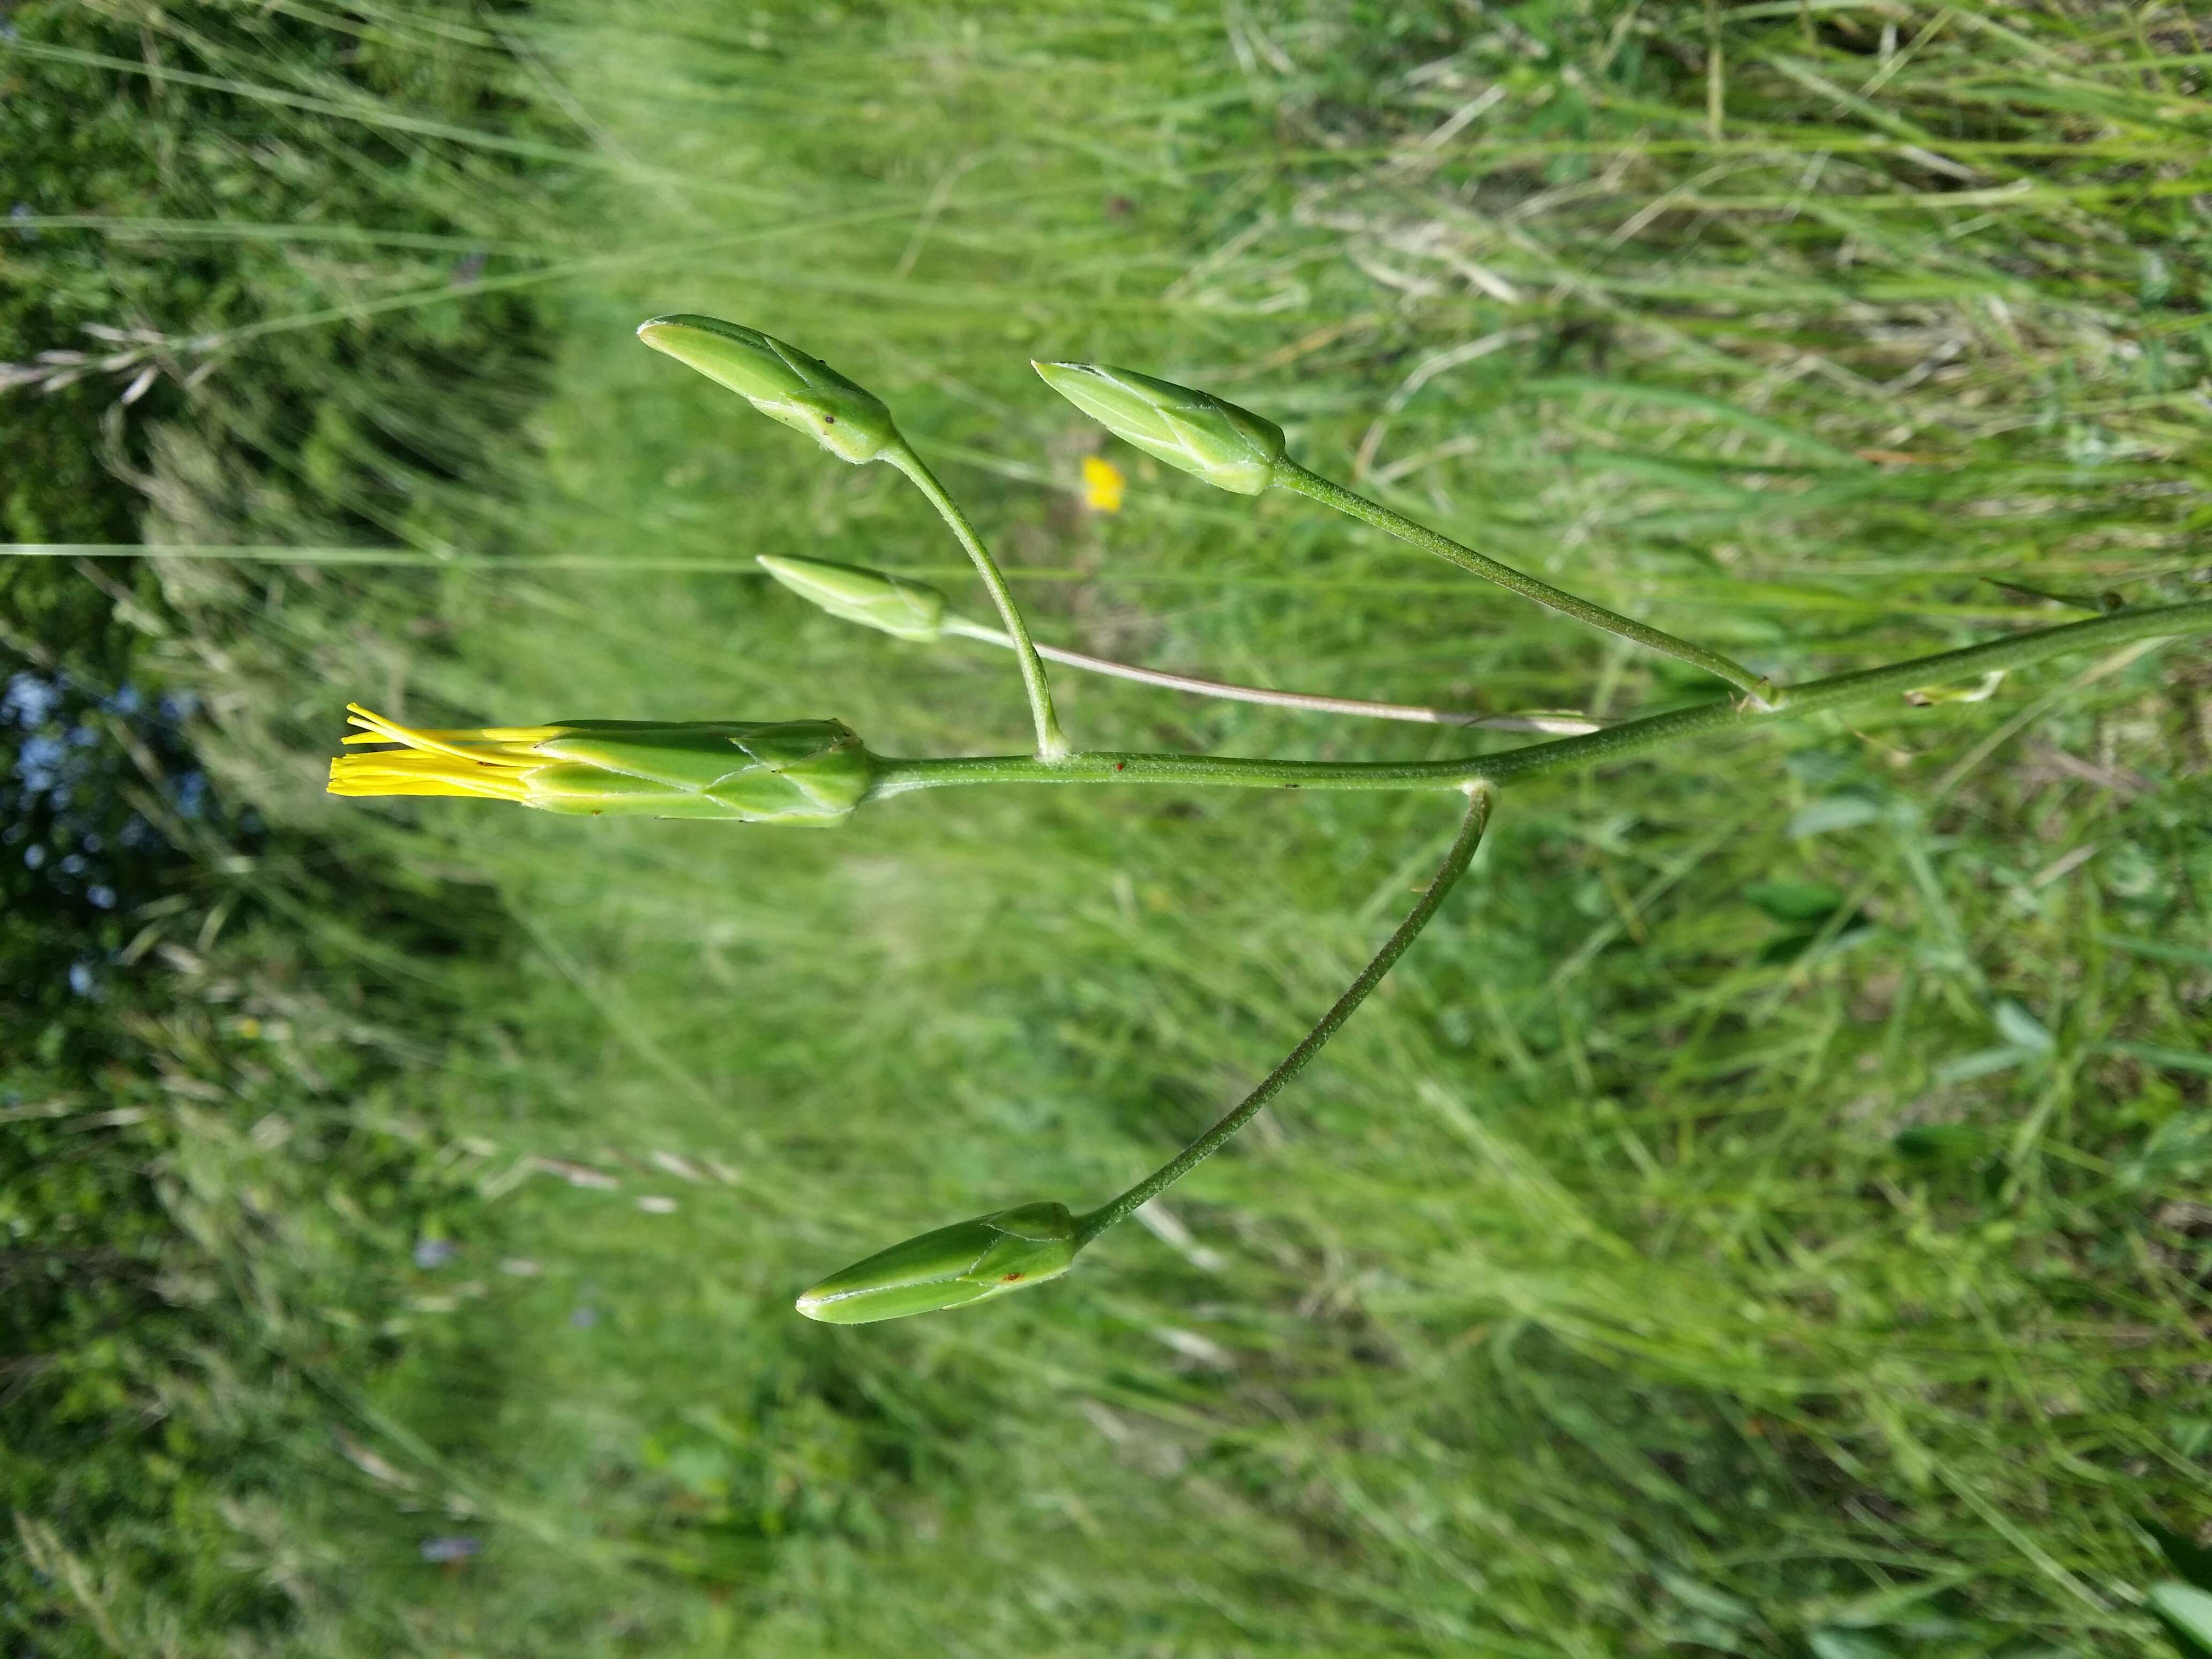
1103, 484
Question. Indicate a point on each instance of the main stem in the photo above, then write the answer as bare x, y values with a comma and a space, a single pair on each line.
1305, 701
1050, 743
1088, 1227
1289, 475
897, 776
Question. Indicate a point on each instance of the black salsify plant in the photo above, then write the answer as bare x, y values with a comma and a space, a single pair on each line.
817, 772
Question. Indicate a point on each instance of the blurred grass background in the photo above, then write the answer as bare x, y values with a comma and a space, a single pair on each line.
1765, 1213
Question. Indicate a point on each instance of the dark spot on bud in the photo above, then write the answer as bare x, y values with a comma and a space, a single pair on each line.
1010, 1278
828, 420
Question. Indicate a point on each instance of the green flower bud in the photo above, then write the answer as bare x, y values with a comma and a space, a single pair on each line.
800, 772
874, 598
1225, 445
969, 1262
780, 380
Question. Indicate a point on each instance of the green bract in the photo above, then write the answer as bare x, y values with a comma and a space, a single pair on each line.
1200, 433
788, 772
874, 598
967, 1261
780, 380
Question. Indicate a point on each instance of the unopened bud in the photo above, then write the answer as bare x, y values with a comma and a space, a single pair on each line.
874, 598
969, 1262
780, 380
799, 772
1225, 445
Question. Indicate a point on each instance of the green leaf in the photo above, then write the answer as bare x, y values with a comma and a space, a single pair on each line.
1792, 946
1836, 812
1831, 1642
1942, 1143
2021, 1029
2186, 1613
2079, 601
1713, 1603
1983, 1062
1796, 900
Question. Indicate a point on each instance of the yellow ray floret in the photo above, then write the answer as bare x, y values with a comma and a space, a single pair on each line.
487, 763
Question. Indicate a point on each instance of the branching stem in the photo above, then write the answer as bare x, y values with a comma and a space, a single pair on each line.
1631, 737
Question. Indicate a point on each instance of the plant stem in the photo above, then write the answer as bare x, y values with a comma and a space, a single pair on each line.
897, 776
1051, 745
1088, 1227
1289, 475
1568, 724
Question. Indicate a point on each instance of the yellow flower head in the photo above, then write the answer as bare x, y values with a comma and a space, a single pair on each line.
1103, 484
808, 772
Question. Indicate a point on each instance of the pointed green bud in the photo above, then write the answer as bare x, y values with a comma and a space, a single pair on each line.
1228, 447
969, 1262
799, 772
874, 598
780, 380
